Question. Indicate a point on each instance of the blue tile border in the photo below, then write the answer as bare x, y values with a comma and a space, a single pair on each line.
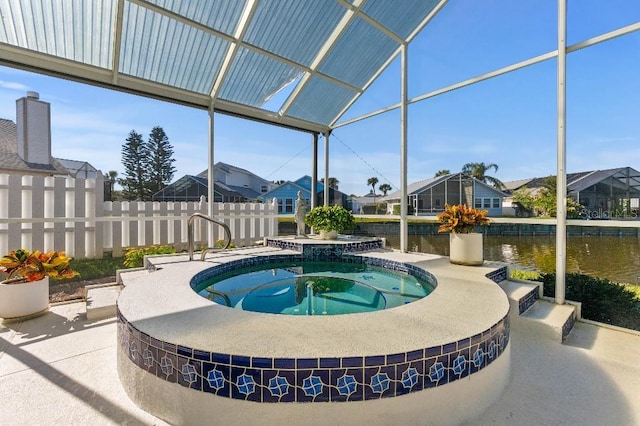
568, 326
528, 300
325, 251
499, 275
280, 380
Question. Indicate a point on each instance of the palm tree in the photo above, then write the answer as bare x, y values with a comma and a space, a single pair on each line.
479, 170
112, 175
373, 181
385, 187
442, 172
333, 182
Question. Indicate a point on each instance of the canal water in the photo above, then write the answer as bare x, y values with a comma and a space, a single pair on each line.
615, 258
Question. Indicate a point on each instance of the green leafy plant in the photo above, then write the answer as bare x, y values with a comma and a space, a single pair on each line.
522, 274
25, 266
330, 218
396, 209
461, 219
133, 257
602, 300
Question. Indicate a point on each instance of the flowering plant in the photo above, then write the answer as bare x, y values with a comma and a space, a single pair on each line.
461, 219
26, 266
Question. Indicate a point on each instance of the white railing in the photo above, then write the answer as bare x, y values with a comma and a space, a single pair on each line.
58, 213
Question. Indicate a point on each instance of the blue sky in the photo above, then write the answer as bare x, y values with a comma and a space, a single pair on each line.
509, 120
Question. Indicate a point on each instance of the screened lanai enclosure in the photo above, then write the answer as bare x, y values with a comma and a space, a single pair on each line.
607, 193
234, 56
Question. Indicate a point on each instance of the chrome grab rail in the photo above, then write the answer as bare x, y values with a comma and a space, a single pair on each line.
226, 298
192, 218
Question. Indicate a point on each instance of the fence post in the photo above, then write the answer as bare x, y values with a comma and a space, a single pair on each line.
4, 212
148, 223
89, 214
37, 211
161, 225
98, 214
274, 217
117, 227
27, 207
49, 199
59, 211
79, 211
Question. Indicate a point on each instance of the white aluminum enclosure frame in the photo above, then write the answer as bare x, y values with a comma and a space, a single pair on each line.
561, 179
236, 42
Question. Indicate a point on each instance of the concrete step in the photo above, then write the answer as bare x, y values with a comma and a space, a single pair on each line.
553, 319
548, 318
101, 301
522, 295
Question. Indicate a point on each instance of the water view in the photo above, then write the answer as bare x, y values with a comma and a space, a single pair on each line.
615, 258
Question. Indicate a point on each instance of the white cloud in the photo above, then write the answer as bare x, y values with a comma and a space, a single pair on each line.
11, 85
103, 121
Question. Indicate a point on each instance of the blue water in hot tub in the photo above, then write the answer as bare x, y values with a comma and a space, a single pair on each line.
314, 288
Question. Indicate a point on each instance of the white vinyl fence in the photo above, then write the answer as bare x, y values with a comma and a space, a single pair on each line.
67, 214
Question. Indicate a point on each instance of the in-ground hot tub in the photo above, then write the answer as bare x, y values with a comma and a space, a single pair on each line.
440, 359
313, 287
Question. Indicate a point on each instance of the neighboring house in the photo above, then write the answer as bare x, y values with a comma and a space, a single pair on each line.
287, 193
430, 195
242, 181
603, 193
25, 146
359, 204
232, 185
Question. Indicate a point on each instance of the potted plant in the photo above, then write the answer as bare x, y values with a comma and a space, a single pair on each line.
25, 289
465, 245
330, 220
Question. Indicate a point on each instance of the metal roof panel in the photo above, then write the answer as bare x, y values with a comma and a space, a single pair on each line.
255, 78
221, 15
394, 16
71, 29
359, 53
158, 48
320, 101
293, 29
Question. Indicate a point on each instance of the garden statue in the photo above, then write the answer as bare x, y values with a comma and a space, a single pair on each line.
300, 213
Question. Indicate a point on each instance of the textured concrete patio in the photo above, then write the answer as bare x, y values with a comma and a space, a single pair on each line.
61, 369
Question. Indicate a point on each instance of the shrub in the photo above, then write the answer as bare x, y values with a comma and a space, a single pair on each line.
133, 257
521, 274
602, 300
396, 209
330, 218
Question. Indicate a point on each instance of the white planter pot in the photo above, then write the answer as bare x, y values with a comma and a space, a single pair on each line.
465, 249
22, 299
329, 235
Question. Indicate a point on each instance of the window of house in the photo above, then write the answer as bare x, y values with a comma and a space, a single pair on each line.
288, 205
279, 205
487, 203
263, 188
496, 203
478, 203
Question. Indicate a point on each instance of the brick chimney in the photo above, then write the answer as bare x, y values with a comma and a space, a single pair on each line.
33, 119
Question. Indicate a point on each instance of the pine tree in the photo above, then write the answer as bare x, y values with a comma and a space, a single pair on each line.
161, 168
135, 158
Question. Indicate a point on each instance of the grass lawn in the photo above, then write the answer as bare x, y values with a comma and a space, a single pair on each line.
92, 271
